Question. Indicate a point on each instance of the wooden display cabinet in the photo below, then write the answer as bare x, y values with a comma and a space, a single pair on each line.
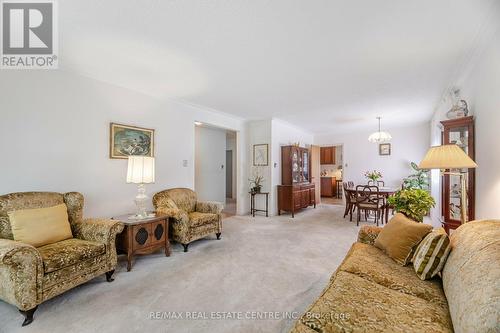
297, 191
461, 132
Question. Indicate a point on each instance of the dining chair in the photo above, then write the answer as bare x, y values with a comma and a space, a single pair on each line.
350, 184
369, 199
350, 201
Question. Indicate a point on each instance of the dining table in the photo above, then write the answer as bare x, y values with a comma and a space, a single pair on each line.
383, 191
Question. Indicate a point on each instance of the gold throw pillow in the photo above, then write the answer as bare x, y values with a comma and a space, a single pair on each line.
431, 254
400, 237
40, 226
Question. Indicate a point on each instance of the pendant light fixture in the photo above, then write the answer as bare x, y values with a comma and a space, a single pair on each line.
380, 136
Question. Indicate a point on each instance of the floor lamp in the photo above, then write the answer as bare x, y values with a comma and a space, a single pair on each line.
451, 157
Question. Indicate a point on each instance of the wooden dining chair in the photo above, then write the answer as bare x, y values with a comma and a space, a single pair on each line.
350, 201
369, 199
350, 184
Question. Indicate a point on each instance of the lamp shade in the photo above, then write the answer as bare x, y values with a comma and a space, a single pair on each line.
379, 137
141, 170
446, 157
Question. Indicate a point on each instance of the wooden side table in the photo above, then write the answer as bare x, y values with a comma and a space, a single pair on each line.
142, 236
252, 203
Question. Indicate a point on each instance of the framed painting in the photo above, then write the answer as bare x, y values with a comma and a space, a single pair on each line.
384, 149
128, 141
261, 154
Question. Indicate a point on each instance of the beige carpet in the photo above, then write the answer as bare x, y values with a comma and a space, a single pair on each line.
260, 265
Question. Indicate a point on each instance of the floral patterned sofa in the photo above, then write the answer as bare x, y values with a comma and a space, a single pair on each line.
370, 292
192, 219
30, 276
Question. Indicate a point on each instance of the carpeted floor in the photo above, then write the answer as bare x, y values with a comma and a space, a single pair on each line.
260, 265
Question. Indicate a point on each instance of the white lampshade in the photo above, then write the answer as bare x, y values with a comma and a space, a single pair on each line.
141, 170
447, 157
379, 137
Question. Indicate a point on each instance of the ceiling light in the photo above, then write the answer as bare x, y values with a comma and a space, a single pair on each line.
198, 123
380, 136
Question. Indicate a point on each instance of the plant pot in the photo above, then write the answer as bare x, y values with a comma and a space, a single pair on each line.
256, 189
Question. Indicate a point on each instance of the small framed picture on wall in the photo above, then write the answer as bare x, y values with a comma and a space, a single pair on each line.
261, 155
384, 149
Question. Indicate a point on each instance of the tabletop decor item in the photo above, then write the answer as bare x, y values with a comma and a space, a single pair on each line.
373, 175
140, 171
130, 140
459, 108
414, 203
256, 181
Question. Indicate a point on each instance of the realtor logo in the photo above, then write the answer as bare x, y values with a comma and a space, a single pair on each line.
29, 39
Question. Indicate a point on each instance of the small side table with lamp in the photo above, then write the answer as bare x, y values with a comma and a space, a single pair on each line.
144, 232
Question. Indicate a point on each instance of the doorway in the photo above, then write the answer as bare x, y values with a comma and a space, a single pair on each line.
215, 166
330, 172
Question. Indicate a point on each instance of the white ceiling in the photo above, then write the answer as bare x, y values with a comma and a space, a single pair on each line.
323, 65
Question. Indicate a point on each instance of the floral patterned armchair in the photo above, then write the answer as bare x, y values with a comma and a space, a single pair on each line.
192, 219
30, 276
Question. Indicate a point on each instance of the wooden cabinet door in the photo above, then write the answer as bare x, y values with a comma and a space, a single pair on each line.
304, 194
297, 199
324, 186
327, 155
332, 155
141, 236
158, 232
312, 196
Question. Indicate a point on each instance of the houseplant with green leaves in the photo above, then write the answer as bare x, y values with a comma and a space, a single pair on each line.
418, 180
414, 203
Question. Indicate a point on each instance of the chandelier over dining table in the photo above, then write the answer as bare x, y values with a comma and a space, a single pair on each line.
379, 136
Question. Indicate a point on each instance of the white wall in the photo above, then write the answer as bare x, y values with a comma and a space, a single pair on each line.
54, 136
480, 87
259, 132
283, 134
210, 160
408, 144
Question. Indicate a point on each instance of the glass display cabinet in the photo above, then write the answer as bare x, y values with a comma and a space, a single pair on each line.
460, 132
296, 190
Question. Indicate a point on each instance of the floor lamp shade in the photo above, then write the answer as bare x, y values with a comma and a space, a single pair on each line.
451, 157
141, 170
447, 157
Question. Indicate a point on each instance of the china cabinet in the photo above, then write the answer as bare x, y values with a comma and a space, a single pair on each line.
460, 132
296, 190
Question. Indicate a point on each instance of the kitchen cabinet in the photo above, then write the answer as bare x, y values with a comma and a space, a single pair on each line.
327, 155
328, 186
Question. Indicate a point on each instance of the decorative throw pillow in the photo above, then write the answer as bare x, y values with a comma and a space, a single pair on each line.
431, 254
399, 238
40, 226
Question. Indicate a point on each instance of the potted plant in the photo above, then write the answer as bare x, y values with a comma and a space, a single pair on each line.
373, 175
414, 203
256, 181
418, 180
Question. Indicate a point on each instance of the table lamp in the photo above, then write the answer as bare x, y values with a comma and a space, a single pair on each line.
450, 157
141, 170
